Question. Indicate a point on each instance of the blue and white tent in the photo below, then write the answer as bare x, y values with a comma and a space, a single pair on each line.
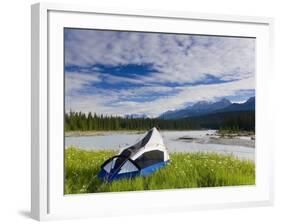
141, 159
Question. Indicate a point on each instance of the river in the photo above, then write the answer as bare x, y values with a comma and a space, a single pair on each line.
175, 141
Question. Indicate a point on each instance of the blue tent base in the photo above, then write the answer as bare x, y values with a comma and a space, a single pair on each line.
151, 169
109, 177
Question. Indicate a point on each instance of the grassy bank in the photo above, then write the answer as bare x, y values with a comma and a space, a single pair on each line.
186, 170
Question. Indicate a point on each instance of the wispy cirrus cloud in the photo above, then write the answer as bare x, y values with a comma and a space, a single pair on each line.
115, 72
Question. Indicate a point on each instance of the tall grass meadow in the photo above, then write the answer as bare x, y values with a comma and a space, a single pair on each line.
185, 170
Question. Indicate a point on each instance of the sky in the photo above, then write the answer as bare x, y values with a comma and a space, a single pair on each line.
122, 73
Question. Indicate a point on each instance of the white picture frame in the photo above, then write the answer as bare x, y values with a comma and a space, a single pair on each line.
47, 198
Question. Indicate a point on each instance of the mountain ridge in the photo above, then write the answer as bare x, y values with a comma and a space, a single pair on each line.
205, 107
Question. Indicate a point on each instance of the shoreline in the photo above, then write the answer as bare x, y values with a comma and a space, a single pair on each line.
221, 141
209, 137
195, 140
99, 133
102, 133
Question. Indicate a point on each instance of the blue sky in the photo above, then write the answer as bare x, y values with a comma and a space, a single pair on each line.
119, 73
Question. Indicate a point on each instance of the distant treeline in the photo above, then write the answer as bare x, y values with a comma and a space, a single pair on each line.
87, 122
78, 121
232, 121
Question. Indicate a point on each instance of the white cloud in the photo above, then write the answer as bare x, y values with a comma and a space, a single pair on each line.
181, 58
75, 81
104, 103
177, 58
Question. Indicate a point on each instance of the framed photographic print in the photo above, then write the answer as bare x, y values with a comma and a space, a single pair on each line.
168, 109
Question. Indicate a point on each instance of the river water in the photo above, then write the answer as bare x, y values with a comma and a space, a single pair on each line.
192, 141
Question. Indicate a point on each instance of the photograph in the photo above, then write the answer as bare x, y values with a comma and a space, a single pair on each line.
157, 110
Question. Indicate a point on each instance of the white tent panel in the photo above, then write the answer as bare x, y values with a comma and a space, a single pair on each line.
155, 142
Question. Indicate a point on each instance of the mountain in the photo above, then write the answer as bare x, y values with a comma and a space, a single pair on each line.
204, 108
199, 108
248, 105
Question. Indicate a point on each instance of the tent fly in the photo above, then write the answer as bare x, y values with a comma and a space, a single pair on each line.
141, 159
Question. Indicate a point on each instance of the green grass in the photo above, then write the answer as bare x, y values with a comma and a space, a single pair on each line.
186, 170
